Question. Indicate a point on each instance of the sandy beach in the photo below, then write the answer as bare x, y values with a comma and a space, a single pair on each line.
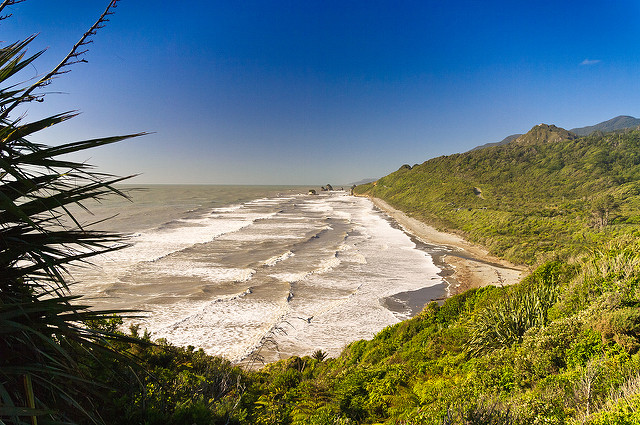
471, 265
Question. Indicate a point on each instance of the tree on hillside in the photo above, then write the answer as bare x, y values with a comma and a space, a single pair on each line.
602, 208
45, 348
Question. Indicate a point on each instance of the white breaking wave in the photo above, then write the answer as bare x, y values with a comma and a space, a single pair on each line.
290, 277
325, 266
231, 208
208, 273
328, 265
156, 244
275, 260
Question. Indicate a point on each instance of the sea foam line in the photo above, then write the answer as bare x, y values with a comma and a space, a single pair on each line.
276, 259
325, 266
159, 243
203, 309
269, 335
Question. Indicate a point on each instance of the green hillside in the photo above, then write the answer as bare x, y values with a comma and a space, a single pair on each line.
546, 193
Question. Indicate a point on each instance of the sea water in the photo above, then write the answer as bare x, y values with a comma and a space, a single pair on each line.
241, 270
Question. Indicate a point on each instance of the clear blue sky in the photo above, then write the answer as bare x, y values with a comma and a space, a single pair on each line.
315, 92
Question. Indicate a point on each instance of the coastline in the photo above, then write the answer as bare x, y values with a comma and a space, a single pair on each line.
465, 265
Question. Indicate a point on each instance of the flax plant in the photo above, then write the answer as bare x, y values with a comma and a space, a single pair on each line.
46, 350
504, 323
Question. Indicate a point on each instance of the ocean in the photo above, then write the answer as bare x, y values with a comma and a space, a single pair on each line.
251, 272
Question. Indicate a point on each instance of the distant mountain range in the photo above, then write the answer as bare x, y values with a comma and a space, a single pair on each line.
618, 123
363, 181
552, 133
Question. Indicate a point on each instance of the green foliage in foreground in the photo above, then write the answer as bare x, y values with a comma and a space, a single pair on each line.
527, 203
560, 347
48, 358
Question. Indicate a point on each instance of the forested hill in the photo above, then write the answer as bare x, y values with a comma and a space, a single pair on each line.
546, 193
621, 122
617, 123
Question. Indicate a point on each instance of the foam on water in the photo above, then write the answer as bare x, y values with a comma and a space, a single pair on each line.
256, 237
341, 215
209, 273
155, 244
290, 277
227, 209
324, 266
317, 206
275, 260
328, 265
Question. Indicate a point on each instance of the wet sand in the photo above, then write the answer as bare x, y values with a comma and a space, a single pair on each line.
464, 265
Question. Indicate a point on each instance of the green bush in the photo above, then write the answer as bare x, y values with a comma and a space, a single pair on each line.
505, 322
544, 350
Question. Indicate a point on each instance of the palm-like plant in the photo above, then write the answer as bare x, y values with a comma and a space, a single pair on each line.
44, 344
505, 322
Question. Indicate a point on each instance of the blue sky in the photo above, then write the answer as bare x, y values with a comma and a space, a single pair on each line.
316, 92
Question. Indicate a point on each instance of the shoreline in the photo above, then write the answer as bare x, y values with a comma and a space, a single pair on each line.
464, 265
